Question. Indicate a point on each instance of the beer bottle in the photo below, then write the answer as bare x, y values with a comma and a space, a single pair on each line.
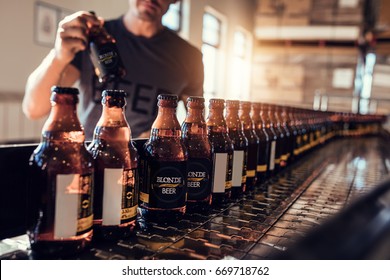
272, 138
290, 124
264, 143
194, 134
299, 129
285, 131
253, 143
104, 54
279, 137
164, 190
116, 175
240, 144
61, 180
221, 151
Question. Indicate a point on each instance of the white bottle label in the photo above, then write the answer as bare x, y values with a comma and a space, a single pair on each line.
112, 196
67, 205
272, 156
238, 164
219, 174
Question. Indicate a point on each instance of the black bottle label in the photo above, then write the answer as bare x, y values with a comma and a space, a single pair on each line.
198, 178
108, 56
166, 186
105, 58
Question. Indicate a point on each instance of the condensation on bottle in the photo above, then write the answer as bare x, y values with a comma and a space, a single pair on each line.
61, 182
116, 170
194, 134
222, 152
240, 143
163, 192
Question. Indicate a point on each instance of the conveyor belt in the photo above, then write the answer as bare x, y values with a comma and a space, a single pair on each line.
269, 219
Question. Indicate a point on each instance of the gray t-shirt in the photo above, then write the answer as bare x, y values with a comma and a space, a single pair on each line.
164, 63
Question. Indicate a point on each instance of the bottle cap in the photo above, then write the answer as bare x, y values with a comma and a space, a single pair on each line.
167, 97
198, 99
217, 101
65, 90
114, 93
232, 103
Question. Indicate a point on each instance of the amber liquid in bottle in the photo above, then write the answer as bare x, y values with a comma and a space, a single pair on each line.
105, 55
253, 144
116, 173
194, 134
240, 143
222, 153
61, 180
264, 143
163, 193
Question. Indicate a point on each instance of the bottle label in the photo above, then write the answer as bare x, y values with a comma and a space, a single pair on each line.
198, 178
229, 171
166, 184
243, 177
108, 56
119, 196
238, 165
220, 162
272, 156
262, 168
73, 205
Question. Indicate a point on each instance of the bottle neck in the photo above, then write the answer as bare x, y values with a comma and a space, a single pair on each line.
112, 125
215, 121
112, 117
195, 115
246, 120
63, 123
166, 123
255, 116
194, 123
232, 119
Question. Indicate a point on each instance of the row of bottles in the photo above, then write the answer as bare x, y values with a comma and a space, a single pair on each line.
102, 189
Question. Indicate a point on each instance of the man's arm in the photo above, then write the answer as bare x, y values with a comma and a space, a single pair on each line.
36, 101
55, 69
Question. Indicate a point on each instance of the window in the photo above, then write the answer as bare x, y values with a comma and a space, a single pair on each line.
173, 18
239, 69
211, 38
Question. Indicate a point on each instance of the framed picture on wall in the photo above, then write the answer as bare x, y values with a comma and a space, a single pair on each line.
46, 20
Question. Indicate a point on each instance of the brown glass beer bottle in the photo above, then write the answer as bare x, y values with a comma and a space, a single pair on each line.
264, 143
290, 124
240, 144
116, 174
194, 134
221, 151
61, 180
253, 143
104, 54
272, 138
279, 154
163, 192
285, 131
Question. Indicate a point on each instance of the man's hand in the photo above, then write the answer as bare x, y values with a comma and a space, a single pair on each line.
72, 35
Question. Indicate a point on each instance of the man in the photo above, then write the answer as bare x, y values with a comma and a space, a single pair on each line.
155, 58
